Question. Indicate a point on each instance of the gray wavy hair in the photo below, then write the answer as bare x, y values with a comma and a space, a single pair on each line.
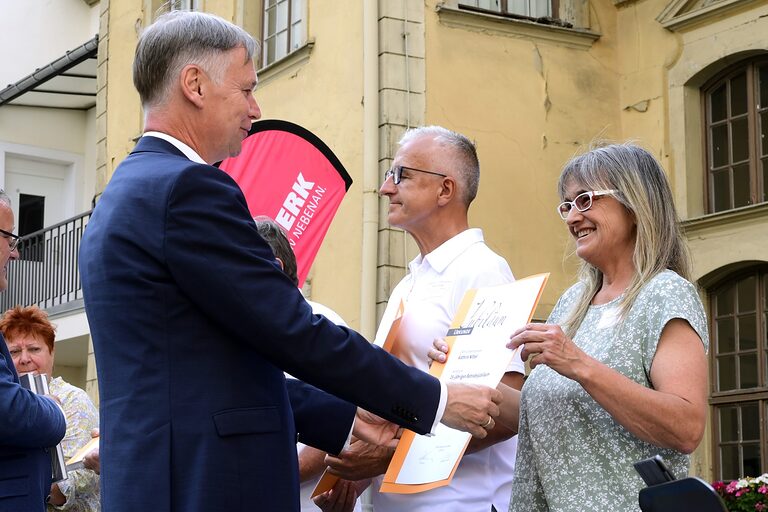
177, 39
645, 192
275, 236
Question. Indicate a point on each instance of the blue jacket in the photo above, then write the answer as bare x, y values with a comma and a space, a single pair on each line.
193, 323
29, 424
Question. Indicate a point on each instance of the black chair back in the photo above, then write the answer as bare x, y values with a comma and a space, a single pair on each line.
686, 495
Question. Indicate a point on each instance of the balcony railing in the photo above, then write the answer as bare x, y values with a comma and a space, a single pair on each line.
47, 273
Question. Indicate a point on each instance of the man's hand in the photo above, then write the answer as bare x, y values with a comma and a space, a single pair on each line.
471, 408
361, 460
341, 498
376, 430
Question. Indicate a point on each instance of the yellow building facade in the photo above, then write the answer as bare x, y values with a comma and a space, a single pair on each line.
532, 83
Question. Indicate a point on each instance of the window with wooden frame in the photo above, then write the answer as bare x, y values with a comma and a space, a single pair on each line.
283, 29
185, 5
736, 133
529, 8
739, 366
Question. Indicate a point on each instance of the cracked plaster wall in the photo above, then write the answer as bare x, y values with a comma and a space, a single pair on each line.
530, 104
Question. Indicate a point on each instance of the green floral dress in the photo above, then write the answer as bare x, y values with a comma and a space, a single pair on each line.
572, 455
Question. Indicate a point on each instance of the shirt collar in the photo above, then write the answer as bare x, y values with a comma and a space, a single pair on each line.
188, 151
440, 258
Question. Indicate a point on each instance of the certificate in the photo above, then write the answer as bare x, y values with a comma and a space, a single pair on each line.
76, 461
478, 355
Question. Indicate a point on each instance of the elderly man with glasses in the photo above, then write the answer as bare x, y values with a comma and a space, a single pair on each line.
433, 180
29, 423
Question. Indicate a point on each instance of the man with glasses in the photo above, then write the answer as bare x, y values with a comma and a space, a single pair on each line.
13, 240
433, 180
29, 423
193, 322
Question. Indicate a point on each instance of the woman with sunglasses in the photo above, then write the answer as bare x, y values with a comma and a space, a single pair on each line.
619, 369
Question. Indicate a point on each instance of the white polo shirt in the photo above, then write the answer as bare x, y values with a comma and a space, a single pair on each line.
432, 292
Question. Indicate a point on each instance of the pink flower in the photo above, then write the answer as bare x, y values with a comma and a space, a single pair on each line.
762, 489
731, 487
759, 506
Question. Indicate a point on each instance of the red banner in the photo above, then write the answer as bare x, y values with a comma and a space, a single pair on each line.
287, 173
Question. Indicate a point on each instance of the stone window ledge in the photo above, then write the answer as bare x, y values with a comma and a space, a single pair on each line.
511, 27
291, 61
727, 217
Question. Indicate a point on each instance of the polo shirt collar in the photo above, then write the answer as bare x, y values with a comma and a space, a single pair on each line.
440, 258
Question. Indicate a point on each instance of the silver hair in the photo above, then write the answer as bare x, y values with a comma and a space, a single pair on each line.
177, 39
5, 198
468, 166
644, 191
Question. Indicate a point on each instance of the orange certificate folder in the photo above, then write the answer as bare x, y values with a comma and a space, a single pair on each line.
477, 355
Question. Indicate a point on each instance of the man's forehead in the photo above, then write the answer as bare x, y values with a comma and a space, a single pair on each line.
238, 62
6, 216
422, 147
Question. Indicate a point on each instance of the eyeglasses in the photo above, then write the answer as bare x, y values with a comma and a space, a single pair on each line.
13, 240
582, 202
396, 173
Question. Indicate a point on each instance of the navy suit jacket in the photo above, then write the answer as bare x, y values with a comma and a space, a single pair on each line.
193, 323
29, 424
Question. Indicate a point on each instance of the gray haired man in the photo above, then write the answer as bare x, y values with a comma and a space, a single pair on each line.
193, 323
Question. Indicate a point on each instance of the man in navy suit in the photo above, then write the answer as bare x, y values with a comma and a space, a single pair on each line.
29, 423
193, 322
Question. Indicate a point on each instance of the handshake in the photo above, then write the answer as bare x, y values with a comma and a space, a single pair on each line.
469, 408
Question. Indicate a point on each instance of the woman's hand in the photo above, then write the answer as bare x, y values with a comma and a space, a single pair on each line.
91, 460
672, 414
547, 344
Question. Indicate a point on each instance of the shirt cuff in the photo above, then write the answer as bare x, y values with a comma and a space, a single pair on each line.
349, 436
440, 407
65, 486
